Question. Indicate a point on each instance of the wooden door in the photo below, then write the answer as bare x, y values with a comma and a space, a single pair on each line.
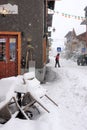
44, 50
8, 56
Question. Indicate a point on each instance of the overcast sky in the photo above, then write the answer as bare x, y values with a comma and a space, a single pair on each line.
63, 24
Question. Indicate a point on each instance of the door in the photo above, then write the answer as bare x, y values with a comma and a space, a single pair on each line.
8, 56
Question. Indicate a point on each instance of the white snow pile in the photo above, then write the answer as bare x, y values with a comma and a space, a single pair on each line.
23, 84
7, 89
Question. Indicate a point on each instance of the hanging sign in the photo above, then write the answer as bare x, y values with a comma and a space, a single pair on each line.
8, 9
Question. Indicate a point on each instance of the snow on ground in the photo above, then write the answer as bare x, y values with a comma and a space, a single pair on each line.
70, 91
67, 86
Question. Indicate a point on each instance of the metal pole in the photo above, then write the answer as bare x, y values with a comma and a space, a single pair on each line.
51, 100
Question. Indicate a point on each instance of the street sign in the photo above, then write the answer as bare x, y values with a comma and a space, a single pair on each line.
83, 50
59, 49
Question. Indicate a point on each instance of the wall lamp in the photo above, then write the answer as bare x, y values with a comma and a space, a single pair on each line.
4, 12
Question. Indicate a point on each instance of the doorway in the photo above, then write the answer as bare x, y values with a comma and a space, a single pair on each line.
9, 55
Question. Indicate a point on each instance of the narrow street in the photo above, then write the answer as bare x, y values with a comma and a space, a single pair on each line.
35, 37
69, 90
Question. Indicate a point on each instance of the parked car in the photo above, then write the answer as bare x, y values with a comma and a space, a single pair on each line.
82, 60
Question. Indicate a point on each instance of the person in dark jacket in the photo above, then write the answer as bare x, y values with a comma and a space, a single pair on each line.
57, 60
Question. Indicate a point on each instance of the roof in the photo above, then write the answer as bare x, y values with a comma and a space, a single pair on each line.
82, 36
84, 22
71, 33
85, 8
68, 34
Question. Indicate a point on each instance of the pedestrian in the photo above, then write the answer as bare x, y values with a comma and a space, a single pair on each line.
57, 60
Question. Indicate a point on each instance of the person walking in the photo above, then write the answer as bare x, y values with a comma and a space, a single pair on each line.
57, 60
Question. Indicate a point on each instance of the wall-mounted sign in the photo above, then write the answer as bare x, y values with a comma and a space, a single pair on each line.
8, 9
2, 40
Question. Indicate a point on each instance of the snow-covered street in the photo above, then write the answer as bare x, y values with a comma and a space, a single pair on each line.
67, 86
70, 92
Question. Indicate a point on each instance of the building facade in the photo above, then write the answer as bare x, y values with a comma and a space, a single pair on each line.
26, 20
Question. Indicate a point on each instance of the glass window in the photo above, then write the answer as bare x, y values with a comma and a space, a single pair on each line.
2, 49
12, 49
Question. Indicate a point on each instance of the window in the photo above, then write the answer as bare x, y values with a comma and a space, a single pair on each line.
2, 49
12, 49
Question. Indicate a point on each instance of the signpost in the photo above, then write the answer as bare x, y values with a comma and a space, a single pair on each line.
58, 49
83, 50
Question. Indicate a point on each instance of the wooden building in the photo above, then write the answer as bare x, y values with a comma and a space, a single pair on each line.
23, 23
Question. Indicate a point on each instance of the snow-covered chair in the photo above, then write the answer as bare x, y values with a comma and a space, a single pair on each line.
8, 97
